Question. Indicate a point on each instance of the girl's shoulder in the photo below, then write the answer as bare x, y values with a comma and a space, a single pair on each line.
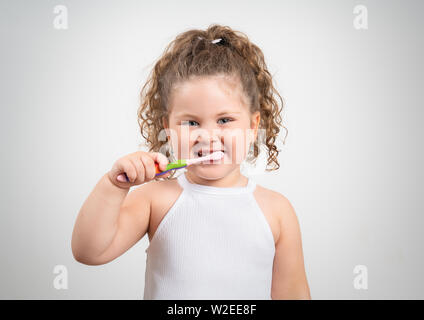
164, 185
273, 197
162, 190
154, 188
162, 194
275, 206
157, 194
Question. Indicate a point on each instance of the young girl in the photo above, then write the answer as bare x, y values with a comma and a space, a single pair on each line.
214, 233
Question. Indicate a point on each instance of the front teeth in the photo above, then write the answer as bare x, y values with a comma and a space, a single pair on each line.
201, 153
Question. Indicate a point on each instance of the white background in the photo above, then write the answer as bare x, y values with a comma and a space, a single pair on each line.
351, 165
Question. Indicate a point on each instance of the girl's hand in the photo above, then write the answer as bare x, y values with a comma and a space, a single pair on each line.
139, 167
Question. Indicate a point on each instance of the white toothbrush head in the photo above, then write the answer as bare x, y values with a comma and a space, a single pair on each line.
213, 156
216, 155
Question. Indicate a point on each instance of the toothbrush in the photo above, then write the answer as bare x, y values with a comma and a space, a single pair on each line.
179, 164
182, 163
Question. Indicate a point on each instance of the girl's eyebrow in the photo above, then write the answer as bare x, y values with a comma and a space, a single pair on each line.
228, 112
185, 114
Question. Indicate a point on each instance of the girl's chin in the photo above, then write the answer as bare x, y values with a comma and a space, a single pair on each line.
209, 167
209, 171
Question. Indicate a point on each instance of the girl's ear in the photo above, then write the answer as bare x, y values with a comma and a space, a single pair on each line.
166, 127
165, 123
256, 118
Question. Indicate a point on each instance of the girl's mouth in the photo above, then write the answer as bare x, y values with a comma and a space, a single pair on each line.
205, 152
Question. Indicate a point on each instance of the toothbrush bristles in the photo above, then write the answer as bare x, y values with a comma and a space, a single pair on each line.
213, 156
216, 155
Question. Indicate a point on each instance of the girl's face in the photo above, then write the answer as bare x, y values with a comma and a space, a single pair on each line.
207, 115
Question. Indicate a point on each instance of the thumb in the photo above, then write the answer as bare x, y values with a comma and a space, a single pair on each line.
122, 178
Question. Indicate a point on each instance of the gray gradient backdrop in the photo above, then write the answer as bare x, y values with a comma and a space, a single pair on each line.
351, 165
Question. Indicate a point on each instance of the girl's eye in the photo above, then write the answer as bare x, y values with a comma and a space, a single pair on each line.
227, 120
189, 122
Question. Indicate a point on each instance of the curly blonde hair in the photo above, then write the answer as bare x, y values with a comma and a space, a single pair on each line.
194, 54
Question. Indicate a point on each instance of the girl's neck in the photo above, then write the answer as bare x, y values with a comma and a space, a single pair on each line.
233, 179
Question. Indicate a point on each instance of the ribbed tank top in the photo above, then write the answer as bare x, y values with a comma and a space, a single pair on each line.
214, 243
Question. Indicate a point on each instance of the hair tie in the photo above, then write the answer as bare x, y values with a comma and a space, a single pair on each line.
218, 41
221, 42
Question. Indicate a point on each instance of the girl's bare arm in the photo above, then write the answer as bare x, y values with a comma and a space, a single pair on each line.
112, 219
110, 222
289, 277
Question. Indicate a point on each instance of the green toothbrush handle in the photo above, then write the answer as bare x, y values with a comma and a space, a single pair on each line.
171, 166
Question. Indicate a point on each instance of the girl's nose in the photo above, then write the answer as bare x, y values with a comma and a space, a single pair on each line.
206, 136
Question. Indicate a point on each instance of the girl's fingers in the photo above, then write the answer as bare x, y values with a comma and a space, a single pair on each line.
137, 168
122, 169
160, 158
130, 170
141, 175
149, 166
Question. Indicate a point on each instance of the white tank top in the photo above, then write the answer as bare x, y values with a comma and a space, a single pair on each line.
214, 243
